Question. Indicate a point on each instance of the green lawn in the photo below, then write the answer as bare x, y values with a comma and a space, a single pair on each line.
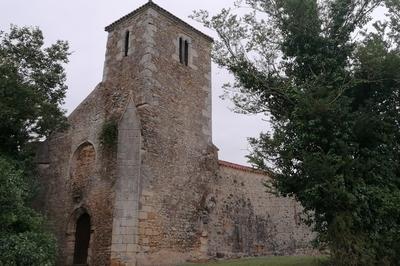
267, 261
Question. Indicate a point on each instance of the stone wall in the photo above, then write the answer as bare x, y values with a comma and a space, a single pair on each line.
77, 177
248, 221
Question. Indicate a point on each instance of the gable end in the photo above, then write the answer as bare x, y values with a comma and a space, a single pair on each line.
150, 4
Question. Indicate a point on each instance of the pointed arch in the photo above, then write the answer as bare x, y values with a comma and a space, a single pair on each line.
82, 239
82, 167
79, 236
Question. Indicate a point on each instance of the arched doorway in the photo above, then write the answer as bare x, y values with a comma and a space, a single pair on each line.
82, 239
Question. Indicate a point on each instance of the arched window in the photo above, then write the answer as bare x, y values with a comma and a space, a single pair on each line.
82, 239
82, 168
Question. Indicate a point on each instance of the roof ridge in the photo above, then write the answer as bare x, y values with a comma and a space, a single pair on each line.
242, 167
150, 3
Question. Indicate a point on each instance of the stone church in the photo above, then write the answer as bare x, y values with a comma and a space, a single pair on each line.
136, 180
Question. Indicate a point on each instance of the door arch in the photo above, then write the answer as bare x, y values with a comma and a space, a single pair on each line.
82, 240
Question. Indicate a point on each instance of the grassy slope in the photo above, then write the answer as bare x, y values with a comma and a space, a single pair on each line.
268, 261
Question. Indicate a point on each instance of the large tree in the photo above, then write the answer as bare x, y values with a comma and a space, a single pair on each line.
32, 89
327, 75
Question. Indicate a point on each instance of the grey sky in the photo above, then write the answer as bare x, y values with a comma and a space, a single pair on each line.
82, 23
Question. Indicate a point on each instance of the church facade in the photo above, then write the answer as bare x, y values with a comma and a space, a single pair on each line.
136, 180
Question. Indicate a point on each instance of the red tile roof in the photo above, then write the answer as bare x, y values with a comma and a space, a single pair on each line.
242, 167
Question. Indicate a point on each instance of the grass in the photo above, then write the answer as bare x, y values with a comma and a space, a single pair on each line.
266, 261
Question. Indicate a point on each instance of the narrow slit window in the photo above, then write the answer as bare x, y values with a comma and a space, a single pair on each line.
181, 51
126, 43
186, 53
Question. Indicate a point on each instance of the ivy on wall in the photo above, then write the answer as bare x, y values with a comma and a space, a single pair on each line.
109, 133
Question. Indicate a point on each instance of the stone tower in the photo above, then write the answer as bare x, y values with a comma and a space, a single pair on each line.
160, 68
135, 179
146, 193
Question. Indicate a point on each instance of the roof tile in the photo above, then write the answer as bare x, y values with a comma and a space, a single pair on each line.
242, 167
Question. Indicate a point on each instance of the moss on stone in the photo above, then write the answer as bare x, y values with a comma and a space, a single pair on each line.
109, 133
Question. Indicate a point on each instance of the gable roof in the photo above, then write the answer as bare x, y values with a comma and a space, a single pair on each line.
151, 4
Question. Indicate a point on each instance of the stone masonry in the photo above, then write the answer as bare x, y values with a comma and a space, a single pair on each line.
157, 195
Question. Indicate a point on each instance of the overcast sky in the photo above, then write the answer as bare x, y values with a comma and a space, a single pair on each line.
82, 23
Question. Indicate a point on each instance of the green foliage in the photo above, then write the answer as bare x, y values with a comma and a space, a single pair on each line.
269, 261
330, 84
32, 89
109, 133
23, 240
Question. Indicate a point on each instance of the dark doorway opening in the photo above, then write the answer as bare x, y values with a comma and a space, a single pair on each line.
82, 239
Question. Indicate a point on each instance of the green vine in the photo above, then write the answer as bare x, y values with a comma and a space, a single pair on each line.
109, 133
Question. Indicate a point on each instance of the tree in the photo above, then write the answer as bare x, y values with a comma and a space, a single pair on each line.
32, 89
329, 82
23, 240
